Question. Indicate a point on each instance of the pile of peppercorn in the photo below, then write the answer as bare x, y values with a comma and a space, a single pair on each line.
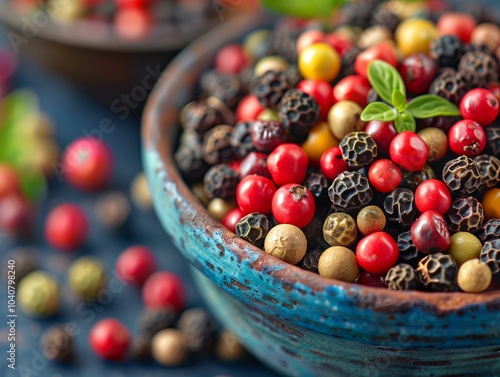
368, 152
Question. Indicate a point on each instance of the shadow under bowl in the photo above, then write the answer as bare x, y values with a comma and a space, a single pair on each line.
297, 322
92, 55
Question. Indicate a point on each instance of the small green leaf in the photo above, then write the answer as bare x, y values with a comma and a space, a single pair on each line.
398, 100
303, 9
384, 78
378, 111
428, 106
405, 122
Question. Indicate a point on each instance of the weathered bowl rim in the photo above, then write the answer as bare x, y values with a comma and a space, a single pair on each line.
155, 125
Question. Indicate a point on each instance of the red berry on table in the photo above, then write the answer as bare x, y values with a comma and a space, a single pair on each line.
382, 133
110, 339
87, 164
288, 163
66, 227
332, 164
429, 233
249, 108
255, 193
9, 181
164, 290
458, 24
232, 218
354, 88
433, 194
383, 51
135, 264
384, 175
480, 105
418, 71
467, 137
321, 91
293, 204
231, 60
377, 253
16, 215
409, 151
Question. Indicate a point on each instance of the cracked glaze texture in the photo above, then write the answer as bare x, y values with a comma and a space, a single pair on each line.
301, 323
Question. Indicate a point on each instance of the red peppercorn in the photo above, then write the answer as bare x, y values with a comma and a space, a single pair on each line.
255, 193
132, 22
377, 253
480, 105
433, 194
384, 175
293, 204
288, 163
16, 215
135, 264
87, 164
321, 91
332, 164
164, 290
232, 218
409, 151
382, 133
231, 60
354, 88
467, 137
110, 339
372, 280
429, 233
66, 227
249, 108
383, 51
133, 3
339, 43
308, 38
460, 25
254, 163
9, 181
418, 71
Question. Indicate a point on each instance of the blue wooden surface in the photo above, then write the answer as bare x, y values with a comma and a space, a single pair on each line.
73, 112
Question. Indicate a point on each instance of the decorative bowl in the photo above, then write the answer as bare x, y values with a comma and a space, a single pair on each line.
297, 322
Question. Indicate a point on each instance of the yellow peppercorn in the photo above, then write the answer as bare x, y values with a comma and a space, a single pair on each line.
491, 203
464, 246
415, 35
270, 63
319, 61
319, 140
474, 276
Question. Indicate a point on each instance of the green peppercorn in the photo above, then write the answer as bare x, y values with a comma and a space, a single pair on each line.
86, 277
39, 294
464, 246
339, 229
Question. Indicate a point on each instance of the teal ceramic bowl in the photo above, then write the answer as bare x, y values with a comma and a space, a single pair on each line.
297, 322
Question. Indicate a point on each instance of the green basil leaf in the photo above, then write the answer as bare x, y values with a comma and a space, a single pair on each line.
384, 78
378, 111
405, 122
428, 106
303, 9
398, 100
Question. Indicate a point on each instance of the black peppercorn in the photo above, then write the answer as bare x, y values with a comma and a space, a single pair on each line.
293, 75
141, 347
285, 38
358, 149
465, 215
153, 320
490, 230
318, 184
198, 328
462, 176
204, 114
253, 228
350, 190
437, 272
267, 134
490, 254
227, 88
299, 112
402, 277
57, 344
407, 250
113, 209
447, 50
489, 166
314, 233
26, 261
411, 179
270, 88
348, 60
450, 85
399, 206
385, 18
493, 140
241, 139
217, 145
357, 13
220, 181
189, 156
479, 69
310, 261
